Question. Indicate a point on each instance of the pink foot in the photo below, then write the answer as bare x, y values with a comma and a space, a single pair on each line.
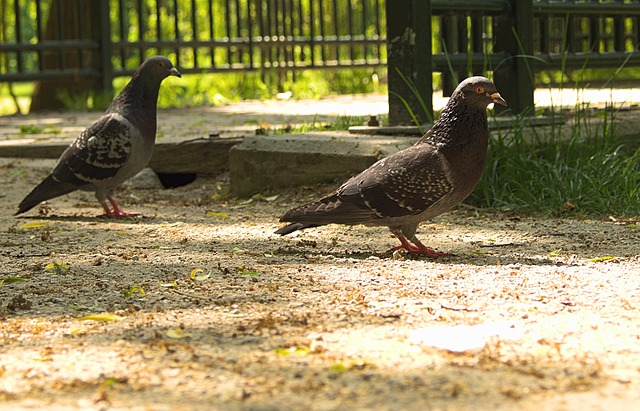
117, 211
418, 248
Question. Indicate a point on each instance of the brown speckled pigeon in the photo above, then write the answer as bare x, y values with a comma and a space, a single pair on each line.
418, 183
114, 148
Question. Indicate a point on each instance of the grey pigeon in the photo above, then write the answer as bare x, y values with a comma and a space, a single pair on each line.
114, 148
417, 183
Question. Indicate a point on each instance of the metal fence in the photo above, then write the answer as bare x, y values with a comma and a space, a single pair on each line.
515, 40
62, 38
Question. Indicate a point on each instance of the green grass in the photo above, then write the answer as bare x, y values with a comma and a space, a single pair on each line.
582, 167
213, 89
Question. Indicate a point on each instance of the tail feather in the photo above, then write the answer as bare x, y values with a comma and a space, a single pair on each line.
327, 210
290, 228
49, 188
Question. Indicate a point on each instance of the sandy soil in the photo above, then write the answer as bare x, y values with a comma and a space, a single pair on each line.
530, 313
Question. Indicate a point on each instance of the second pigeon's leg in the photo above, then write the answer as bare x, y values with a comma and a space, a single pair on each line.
117, 211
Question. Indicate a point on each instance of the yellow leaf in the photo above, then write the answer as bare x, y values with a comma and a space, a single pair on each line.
177, 333
601, 259
555, 252
100, 317
169, 285
32, 225
56, 266
197, 274
216, 214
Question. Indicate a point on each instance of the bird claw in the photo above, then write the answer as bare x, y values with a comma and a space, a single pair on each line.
420, 249
121, 214
117, 211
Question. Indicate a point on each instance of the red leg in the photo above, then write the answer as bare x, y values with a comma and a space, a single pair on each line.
107, 210
428, 251
417, 247
117, 211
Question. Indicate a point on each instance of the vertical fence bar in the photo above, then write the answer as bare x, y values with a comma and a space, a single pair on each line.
39, 33
618, 31
18, 25
123, 36
60, 27
194, 27
303, 55
409, 51
176, 31
323, 54
514, 35
365, 48
449, 43
227, 12
250, 34
336, 30
312, 33
79, 32
240, 48
212, 35
350, 29
106, 47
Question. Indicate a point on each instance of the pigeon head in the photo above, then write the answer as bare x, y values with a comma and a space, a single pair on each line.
137, 101
157, 68
478, 92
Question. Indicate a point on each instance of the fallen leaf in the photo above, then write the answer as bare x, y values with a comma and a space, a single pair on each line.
32, 225
177, 333
104, 317
601, 259
217, 215
197, 274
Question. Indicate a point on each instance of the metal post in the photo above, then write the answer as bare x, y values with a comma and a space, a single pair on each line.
409, 60
514, 34
104, 24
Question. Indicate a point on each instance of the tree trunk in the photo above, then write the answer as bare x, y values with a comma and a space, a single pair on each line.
68, 20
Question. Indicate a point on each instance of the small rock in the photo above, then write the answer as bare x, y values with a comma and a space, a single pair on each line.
146, 179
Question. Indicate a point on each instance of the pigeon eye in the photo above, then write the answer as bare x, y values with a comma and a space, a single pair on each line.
479, 89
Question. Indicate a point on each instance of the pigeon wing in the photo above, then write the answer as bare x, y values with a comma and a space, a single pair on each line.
98, 154
407, 183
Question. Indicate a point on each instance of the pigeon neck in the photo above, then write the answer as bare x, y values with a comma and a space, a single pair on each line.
137, 102
457, 123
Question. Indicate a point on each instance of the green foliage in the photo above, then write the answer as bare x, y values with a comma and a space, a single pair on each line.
582, 166
218, 88
85, 101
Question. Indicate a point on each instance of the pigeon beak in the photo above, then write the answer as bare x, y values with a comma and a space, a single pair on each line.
497, 98
174, 72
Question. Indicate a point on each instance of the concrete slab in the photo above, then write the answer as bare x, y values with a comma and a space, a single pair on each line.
268, 163
263, 163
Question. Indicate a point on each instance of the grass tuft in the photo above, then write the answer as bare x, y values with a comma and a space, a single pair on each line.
582, 167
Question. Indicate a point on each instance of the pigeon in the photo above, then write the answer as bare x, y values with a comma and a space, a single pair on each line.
114, 148
418, 183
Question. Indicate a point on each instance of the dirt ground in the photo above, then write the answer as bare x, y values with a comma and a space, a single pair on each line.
530, 313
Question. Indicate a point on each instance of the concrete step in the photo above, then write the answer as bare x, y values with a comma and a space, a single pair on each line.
269, 163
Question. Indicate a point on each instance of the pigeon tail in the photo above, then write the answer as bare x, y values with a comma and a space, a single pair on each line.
49, 188
290, 228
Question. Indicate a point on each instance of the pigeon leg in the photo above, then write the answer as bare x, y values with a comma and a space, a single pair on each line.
416, 247
428, 251
117, 211
107, 210
404, 244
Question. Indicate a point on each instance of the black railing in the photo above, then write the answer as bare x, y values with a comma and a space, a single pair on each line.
515, 40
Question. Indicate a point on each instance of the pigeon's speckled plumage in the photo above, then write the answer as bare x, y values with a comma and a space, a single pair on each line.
417, 183
114, 148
